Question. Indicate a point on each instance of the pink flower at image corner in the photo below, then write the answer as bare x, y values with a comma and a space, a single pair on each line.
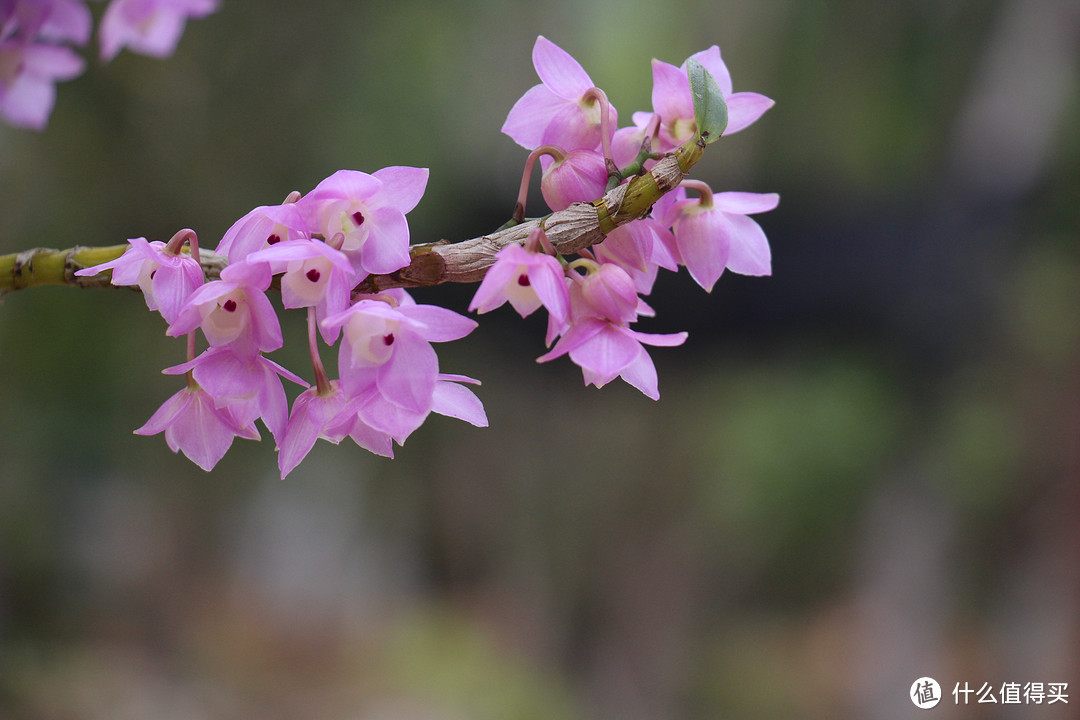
28, 74
148, 27
47, 21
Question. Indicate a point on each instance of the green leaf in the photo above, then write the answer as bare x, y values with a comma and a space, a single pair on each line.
710, 110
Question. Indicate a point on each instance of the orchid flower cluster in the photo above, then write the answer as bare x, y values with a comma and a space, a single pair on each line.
36, 38
325, 249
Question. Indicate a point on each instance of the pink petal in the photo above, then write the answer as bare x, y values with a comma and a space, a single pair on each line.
273, 405
408, 378
386, 248
744, 109
671, 97
386, 417
750, 253
351, 184
530, 116
52, 61
579, 333
704, 244
28, 102
300, 434
571, 128
492, 291
606, 354
264, 322
745, 203
641, 374
402, 186
166, 415
254, 275
558, 70
225, 375
439, 324
173, 286
370, 439
202, 434
712, 62
549, 282
457, 401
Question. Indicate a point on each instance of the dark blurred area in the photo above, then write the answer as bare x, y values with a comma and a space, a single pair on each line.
862, 470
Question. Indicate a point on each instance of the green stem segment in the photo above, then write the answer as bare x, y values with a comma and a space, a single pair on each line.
48, 266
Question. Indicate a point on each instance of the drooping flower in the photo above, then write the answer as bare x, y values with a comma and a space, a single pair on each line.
560, 111
148, 27
317, 415
193, 423
640, 247
373, 420
526, 280
600, 341
369, 210
605, 350
166, 280
233, 311
28, 73
386, 360
248, 385
714, 232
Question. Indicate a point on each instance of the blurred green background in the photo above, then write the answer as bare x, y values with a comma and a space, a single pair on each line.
861, 471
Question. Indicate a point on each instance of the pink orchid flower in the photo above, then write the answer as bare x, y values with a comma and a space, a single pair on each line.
318, 415
263, 227
526, 280
369, 211
249, 385
386, 354
28, 73
313, 275
560, 111
166, 280
193, 423
605, 350
641, 248
603, 304
233, 311
714, 233
148, 27
672, 101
